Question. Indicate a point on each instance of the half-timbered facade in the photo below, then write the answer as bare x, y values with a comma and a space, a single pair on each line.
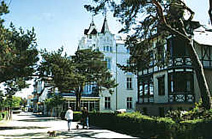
173, 84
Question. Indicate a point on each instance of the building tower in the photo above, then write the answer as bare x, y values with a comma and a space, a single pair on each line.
115, 52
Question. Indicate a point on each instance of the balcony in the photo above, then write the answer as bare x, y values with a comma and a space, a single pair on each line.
181, 97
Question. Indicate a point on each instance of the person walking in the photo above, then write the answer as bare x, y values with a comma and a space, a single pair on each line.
85, 118
69, 117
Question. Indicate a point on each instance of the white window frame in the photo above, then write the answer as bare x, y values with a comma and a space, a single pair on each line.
107, 103
129, 83
109, 62
129, 103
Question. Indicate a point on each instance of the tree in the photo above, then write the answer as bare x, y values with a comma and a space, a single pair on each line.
18, 53
54, 102
59, 68
151, 17
73, 73
91, 66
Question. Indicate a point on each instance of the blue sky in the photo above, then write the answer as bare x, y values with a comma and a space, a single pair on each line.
57, 22
62, 22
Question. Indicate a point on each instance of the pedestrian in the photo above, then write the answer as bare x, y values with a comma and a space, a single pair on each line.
69, 117
85, 118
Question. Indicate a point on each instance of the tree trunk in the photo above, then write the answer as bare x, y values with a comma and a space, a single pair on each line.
203, 86
204, 91
196, 63
78, 98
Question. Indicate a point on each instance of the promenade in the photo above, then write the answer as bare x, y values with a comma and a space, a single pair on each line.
28, 125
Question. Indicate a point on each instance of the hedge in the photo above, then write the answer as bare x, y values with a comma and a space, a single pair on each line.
135, 124
146, 127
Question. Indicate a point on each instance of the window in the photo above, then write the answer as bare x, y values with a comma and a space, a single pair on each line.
97, 49
111, 49
108, 60
177, 47
129, 102
108, 48
180, 82
129, 83
161, 86
107, 102
141, 90
160, 50
151, 87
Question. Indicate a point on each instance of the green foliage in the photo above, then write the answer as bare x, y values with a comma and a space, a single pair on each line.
59, 67
74, 72
3, 115
92, 66
18, 55
144, 126
135, 124
144, 19
54, 101
12, 102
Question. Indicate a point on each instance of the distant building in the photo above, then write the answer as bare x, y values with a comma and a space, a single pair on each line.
174, 86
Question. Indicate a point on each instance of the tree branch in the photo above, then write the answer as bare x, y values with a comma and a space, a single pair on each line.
167, 26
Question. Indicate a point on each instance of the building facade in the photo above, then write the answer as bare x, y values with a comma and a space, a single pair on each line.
173, 86
115, 52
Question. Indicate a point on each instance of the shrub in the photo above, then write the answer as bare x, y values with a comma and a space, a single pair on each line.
3, 115
135, 124
180, 125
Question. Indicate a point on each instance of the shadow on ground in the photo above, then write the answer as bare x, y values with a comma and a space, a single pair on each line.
79, 134
20, 127
59, 134
37, 120
27, 136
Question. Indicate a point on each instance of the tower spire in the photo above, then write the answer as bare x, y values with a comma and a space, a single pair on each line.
92, 22
92, 28
105, 27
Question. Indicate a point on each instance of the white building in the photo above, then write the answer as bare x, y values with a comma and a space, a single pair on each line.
115, 52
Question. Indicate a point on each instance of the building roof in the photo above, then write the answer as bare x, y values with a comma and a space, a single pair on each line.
105, 27
203, 35
91, 30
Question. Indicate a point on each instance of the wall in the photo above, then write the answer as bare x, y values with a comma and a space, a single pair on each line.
159, 98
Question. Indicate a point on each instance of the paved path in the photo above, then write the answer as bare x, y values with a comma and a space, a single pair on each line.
27, 125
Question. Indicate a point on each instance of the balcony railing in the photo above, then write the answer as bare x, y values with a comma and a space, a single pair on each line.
181, 98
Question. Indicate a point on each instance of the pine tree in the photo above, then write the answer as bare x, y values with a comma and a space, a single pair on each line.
18, 54
74, 72
149, 17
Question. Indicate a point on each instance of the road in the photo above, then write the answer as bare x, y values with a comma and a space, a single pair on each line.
28, 125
